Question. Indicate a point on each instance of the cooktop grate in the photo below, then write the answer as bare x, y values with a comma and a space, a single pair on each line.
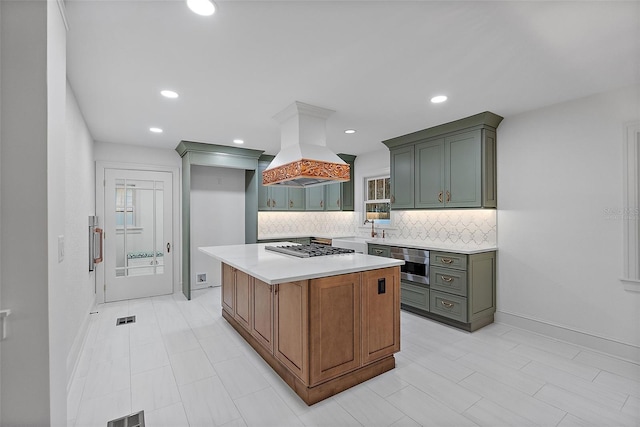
307, 251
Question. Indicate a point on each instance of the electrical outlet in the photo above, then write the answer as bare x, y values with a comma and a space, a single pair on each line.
60, 248
201, 278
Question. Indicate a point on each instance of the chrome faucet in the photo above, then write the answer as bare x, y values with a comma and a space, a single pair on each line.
373, 231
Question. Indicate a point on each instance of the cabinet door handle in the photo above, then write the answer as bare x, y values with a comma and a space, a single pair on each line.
290, 203
448, 196
447, 279
447, 304
440, 197
393, 199
268, 203
338, 202
321, 203
446, 260
273, 203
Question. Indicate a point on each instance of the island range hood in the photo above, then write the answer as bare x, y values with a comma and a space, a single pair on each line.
304, 159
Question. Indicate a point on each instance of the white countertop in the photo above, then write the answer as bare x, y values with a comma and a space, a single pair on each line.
461, 248
273, 268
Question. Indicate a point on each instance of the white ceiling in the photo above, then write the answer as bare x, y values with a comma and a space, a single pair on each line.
376, 63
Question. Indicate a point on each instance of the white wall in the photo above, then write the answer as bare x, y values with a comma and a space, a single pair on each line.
32, 109
560, 254
124, 153
217, 199
59, 330
77, 289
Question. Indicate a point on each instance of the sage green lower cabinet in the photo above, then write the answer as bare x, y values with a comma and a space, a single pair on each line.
461, 290
448, 305
300, 240
379, 250
414, 295
448, 280
463, 287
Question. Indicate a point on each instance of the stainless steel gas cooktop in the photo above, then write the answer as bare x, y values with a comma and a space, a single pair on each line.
306, 251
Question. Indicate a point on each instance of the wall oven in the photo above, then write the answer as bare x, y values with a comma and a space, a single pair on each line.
416, 264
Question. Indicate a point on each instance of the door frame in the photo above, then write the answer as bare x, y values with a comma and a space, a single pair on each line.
176, 253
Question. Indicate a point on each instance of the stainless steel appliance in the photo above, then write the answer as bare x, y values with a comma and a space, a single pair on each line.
307, 251
416, 264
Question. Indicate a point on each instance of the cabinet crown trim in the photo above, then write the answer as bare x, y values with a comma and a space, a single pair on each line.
486, 119
185, 147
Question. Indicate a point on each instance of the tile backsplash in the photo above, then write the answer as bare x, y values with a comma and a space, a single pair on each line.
273, 225
469, 228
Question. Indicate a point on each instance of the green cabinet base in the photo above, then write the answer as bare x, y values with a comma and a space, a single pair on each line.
469, 327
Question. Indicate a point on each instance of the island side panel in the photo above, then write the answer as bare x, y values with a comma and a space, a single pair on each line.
228, 288
334, 311
291, 327
262, 326
380, 313
243, 298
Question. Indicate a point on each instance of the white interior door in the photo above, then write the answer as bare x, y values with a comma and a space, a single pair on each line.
138, 232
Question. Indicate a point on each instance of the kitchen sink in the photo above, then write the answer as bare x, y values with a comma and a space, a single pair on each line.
358, 244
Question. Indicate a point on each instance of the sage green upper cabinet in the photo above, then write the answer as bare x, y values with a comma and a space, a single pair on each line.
333, 196
448, 166
430, 173
276, 198
347, 200
463, 173
402, 177
296, 198
315, 198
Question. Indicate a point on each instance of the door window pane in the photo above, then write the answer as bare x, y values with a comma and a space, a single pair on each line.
139, 225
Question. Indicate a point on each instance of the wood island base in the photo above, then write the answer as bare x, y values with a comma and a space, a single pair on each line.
321, 335
315, 394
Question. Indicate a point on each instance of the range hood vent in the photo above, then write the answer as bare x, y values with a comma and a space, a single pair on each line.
304, 159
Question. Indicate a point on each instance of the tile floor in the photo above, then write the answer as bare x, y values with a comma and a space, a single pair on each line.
185, 366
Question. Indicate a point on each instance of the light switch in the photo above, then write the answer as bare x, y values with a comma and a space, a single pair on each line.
60, 248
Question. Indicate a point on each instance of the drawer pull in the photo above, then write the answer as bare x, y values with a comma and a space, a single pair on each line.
378, 251
447, 304
446, 260
447, 279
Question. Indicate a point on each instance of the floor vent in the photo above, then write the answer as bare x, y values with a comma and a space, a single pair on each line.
133, 420
125, 320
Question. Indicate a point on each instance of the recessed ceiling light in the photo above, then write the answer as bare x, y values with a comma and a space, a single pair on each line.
202, 7
238, 141
169, 94
350, 131
438, 99
155, 130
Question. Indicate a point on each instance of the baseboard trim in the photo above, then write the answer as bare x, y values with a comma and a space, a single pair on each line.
73, 358
624, 351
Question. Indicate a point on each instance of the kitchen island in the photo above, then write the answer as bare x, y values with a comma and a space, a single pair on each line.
324, 323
